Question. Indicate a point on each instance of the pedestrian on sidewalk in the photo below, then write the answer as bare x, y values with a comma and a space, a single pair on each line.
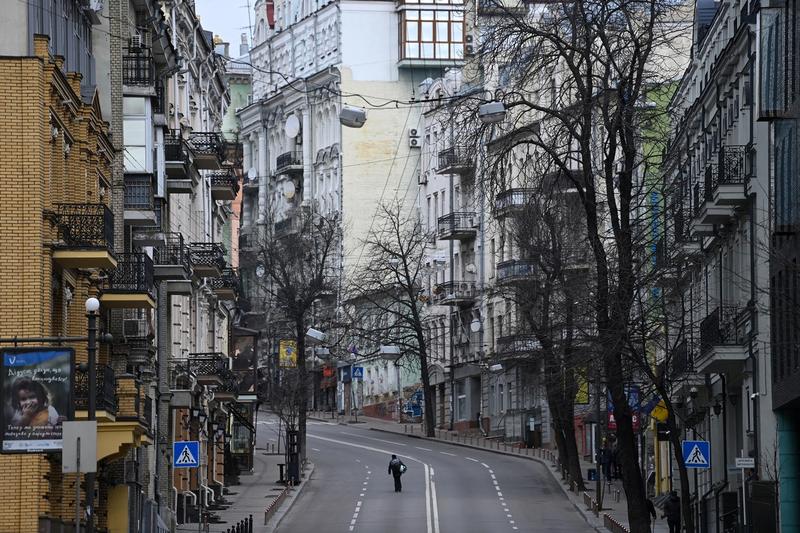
672, 512
651, 508
396, 469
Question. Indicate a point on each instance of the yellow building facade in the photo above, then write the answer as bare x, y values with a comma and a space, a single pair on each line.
57, 236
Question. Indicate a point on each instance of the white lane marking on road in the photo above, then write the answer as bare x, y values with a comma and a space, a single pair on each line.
435, 505
492, 476
358, 460
448, 453
484, 464
315, 449
421, 448
491, 471
471, 459
499, 493
431, 503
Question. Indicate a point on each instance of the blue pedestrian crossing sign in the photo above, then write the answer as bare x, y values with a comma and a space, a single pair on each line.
696, 454
186, 454
358, 372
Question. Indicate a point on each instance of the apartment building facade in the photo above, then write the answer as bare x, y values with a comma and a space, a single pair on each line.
309, 61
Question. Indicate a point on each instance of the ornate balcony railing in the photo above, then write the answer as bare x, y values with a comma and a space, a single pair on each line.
227, 281
86, 225
725, 325
173, 252
733, 165
139, 193
455, 157
698, 196
207, 143
512, 199
288, 160
515, 269
138, 67
209, 254
224, 184
518, 345
134, 274
682, 360
175, 147
456, 224
454, 292
105, 395
207, 364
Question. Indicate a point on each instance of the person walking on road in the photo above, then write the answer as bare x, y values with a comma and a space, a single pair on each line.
672, 512
396, 469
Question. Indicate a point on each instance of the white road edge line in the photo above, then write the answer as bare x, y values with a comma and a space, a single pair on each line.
448, 453
421, 448
430, 491
471, 459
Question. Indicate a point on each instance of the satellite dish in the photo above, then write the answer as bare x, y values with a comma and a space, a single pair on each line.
292, 126
289, 190
252, 173
470, 268
475, 325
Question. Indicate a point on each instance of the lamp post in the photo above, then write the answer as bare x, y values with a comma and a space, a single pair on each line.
92, 306
392, 353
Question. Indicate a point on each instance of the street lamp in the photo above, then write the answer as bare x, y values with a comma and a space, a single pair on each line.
92, 307
492, 112
392, 353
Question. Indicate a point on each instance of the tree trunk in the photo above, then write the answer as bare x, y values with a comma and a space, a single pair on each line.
573, 458
627, 456
430, 430
677, 450
302, 375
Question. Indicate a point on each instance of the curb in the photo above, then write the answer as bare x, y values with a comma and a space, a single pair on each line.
276, 512
588, 517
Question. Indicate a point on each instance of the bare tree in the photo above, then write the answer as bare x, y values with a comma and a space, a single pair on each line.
577, 98
390, 284
300, 269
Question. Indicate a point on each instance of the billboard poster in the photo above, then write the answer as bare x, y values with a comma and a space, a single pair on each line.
37, 384
632, 393
287, 354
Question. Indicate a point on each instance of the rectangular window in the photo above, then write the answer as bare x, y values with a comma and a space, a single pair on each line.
461, 400
136, 130
432, 34
500, 398
787, 191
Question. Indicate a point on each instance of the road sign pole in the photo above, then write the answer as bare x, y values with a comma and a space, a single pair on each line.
78, 491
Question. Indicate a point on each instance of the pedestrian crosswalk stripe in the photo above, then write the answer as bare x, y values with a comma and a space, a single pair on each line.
696, 457
186, 457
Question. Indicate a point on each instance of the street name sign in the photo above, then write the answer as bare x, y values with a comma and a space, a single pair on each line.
186, 454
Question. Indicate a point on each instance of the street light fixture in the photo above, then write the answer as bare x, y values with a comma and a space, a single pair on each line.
92, 307
492, 112
315, 336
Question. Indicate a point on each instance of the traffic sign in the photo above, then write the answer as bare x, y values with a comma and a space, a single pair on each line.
358, 372
696, 454
745, 462
186, 454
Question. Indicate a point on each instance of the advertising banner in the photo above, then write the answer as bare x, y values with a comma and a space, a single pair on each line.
287, 354
37, 389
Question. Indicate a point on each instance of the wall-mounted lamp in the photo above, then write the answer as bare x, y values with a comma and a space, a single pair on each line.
717, 408
214, 427
195, 412
203, 418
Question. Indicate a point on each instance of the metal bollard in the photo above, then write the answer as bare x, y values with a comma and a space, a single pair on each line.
250, 524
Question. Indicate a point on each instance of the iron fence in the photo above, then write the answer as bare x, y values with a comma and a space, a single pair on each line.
175, 147
512, 198
455, 156
207, 143
288, 159
138, 67
209, 254
106, 393
134, 274
86, 225
456, 222
139, 192
173, 252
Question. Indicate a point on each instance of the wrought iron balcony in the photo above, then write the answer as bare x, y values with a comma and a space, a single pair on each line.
517, 346
289, 162
105, 393
139, 201
171, 260
456, 160
723, 337
207, 258
516, 270
86, 235
209, 368
130, 285
228, 388
138, 67
457, 226
226, 286
455, 293
682, 361
512, 199
208, 149
290, 225
177, 156
224, 185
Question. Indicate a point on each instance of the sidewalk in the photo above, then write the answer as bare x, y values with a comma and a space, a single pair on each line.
614, 515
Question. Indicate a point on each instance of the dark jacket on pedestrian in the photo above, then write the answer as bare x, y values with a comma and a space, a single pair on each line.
395, 466
672, 508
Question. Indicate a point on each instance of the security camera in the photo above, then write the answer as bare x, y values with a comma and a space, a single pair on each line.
353, 117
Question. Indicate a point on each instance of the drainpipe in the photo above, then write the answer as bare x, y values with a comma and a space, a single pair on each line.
207, 491
263, 175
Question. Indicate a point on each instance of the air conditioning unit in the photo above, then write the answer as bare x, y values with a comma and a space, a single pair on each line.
135, 328
422, 178
413, 132
414, 142
469, 50
468, 38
